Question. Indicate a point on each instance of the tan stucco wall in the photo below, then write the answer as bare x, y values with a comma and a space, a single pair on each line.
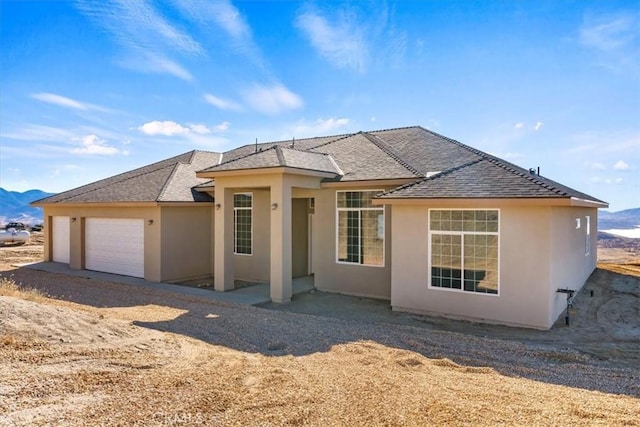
186, 242
526, 287
178, 244
152, 261
570, 266
344, 278
255, 267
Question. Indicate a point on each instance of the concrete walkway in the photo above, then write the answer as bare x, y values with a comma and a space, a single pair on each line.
250, 295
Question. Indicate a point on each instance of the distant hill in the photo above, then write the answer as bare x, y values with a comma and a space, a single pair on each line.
14, 206
627, 219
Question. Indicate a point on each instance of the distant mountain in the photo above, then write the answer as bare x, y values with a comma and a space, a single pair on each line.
627, 219
14, 206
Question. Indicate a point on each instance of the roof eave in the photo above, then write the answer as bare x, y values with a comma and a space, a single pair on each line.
488, 202
386, 182
588, 203
268, 170
63, 204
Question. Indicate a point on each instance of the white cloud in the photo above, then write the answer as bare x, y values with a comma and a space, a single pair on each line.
621, 165
93, 145
537, 126
171, 128
33, 132
63, 101
610, 32
596, 166
223, 126
224, 15
166, 128
347, 36
136, 24
199, 129
608, 181
154, 62
518, 125
145, 35
221, 103
342, 42
272, 100
320, 126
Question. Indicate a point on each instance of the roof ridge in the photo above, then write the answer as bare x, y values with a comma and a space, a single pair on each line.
391, 152
334, 140
99, 187
528, 176
398, 128
273, 147
285, 141
508, 166
433, 177
165, 186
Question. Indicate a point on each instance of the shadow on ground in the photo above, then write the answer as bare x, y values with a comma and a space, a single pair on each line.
316, 322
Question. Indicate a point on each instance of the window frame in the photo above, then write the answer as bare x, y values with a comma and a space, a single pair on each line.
461, 234
380, 208
235, 223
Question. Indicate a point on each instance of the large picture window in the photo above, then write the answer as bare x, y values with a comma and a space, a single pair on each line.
464, 252
360, 228
243, 223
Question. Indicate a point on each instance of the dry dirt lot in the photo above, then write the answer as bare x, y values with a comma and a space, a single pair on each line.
101, 353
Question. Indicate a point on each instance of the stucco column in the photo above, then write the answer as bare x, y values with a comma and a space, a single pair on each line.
223, 242
281, 282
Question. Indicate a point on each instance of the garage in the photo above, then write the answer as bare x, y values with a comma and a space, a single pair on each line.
60, 239
115, 245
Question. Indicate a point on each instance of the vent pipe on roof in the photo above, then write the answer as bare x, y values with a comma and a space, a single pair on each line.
293, 143
534, 171
256, 145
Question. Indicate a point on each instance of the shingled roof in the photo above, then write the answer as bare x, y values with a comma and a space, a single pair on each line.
486, 177
437, 167
170, 180
280, 156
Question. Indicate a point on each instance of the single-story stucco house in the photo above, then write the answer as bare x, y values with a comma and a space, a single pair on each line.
407, 215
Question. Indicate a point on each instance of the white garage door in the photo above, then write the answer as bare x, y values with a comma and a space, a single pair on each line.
115, 245
60, 238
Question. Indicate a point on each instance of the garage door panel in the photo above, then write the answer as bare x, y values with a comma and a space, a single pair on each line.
115, 245
60, 228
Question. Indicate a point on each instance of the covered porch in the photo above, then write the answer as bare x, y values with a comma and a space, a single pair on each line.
263, 218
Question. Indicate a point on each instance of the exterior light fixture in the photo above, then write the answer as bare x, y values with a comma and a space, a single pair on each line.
218, 206
274, 206
149, 221
73, 219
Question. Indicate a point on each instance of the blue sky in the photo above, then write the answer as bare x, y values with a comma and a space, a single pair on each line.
89, 89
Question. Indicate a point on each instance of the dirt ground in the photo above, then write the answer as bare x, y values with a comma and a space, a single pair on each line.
101, 353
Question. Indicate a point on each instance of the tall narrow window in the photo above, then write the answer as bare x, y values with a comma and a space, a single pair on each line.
360, 228
243, 223
587, 236
463, 247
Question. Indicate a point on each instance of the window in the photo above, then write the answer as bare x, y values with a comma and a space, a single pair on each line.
587, 236
360, 228
243, 223
463, 248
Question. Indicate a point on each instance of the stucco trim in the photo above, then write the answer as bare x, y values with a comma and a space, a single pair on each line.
486, 202
370, 183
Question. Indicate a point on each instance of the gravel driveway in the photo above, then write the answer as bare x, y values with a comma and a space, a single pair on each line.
553, 357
